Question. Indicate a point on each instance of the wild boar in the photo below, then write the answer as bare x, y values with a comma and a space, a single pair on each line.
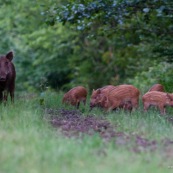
75, 96
123, 96
157, 99
96, 95
7, 77
157, 87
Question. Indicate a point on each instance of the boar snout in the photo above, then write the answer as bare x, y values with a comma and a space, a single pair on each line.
3, 75
2, 78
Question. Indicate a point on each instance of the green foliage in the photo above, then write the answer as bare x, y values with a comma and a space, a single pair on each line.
90, 43
158, 73
109, 14
120, 39
41, 52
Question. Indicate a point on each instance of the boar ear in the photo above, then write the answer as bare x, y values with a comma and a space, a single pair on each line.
98, 91
9, 55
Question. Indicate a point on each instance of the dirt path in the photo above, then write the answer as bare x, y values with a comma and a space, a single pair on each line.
73, 124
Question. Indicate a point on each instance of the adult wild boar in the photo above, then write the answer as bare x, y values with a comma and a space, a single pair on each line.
157, 99
7, 77
100, 92
157, 87
75, 96
123, 96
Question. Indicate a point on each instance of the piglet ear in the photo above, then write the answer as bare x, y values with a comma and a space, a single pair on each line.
98, 91
9, 56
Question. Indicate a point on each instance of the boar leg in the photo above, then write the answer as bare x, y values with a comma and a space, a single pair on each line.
146, 106
12, 96
11, 91
77, 105
135, 103
128, 106
162, 109
5, 97
84, 101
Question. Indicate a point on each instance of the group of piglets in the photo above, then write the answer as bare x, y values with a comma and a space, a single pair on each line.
120, 97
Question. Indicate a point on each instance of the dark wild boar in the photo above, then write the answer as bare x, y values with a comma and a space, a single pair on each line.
157, 87
157, 99
75, 96
7, 77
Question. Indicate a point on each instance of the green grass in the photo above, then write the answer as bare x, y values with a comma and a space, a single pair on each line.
29, 144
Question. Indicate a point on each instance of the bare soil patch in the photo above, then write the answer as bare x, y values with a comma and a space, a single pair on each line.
72, 123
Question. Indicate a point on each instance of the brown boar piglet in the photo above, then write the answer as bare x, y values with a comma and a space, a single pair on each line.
157, 99
157, 87
75, 96
123, 96
97, 93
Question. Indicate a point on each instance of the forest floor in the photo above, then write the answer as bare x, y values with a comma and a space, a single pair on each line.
72, 123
